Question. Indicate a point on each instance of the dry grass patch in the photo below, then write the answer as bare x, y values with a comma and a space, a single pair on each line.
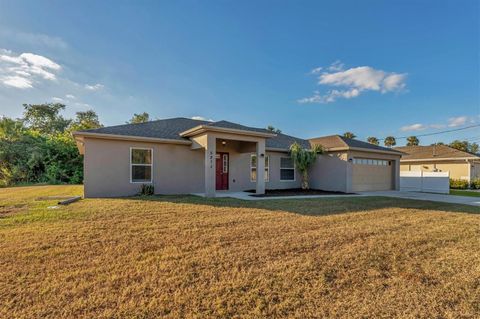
9, 210
198, 258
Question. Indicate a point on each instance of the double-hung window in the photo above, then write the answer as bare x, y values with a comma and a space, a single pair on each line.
253, 168
287, 169
141, 160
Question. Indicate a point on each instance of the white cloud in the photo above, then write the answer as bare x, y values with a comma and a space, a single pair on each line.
94, 87
414, 127
40, 61
457, 121
57, 99
17, 82
29, 76
451, 122
353, 82
364, 78
330, 96
24, 70
201, 118
336, 66
394, 82
316, 70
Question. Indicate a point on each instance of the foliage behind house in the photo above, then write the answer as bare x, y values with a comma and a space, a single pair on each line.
39, 148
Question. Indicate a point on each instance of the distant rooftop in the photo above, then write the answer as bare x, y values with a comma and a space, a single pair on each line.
432, 152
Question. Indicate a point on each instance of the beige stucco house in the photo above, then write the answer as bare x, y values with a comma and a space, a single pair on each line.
440, 158
181, 156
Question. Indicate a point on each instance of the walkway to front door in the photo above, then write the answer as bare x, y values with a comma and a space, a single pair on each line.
221, 164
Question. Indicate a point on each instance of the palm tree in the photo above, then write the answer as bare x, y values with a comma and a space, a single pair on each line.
373, 140
390, 141
272, 128
412, 141
139, 118
303, 158
349, 135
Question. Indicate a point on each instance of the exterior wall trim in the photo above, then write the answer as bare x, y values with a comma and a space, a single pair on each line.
79, 135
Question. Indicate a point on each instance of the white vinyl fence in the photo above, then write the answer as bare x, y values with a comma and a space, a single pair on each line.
430, 182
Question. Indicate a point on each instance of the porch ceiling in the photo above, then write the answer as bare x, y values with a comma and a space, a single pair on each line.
237, 146
200, 141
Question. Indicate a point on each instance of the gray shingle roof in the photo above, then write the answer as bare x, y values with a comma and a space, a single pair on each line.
168, 128
171, 129
334, 141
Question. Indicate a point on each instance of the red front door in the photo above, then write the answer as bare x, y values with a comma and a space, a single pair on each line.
221, 163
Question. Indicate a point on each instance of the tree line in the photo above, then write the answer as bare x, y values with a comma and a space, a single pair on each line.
39, 147
390, 141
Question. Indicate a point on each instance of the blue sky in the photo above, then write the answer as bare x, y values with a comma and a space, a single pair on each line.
375, 68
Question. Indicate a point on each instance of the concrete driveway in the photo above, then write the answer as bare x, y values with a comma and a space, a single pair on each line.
465, 200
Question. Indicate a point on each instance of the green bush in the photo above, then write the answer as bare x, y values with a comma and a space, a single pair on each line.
475, 184
459, 184
39, 148
147, 190
6, 176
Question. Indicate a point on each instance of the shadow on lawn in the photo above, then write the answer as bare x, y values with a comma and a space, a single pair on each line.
316, 206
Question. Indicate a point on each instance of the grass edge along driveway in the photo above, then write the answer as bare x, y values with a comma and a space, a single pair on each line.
460, 192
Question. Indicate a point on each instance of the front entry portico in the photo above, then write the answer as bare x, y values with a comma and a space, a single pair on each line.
212, 140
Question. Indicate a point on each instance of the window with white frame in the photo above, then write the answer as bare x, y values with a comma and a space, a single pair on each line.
141, 160
253, 168
287, 169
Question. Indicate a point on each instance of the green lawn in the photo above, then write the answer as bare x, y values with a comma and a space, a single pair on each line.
190, 257
459, 192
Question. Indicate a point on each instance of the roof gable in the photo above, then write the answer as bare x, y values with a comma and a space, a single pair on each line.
337, 141
331, 141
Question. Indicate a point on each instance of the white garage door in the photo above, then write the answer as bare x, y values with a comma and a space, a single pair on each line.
372, 175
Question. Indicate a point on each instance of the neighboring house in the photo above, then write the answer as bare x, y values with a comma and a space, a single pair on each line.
440, 158
181, 156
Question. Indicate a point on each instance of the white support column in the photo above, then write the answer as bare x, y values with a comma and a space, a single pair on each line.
348, 173
260, 185
469, 165
210, 152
